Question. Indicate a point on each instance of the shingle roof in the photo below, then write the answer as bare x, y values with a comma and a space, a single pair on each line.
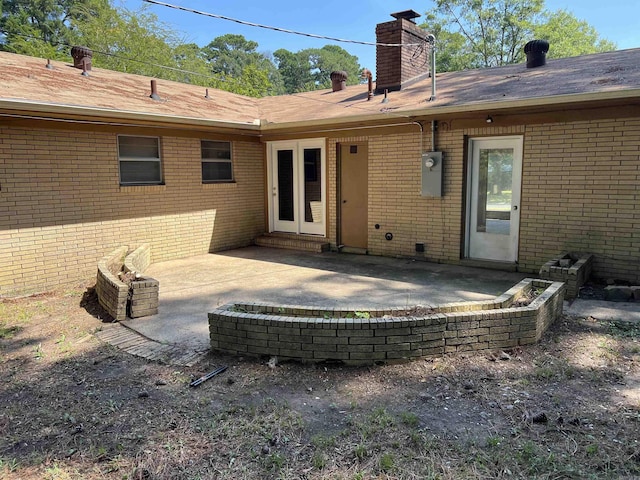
597, 73
26, 79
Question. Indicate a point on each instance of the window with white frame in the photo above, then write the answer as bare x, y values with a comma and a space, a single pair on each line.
139, 160
216, 161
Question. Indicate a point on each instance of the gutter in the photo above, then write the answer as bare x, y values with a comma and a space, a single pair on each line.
119, 117
83, 114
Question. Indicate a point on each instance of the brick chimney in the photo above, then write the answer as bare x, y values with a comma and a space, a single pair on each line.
398, 67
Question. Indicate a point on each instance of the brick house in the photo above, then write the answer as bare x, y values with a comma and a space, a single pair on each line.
506, 167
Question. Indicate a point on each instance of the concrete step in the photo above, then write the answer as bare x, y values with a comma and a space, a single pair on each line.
304, 243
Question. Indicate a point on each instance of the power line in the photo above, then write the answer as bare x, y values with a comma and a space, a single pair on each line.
116, 56
119, 57
279, 29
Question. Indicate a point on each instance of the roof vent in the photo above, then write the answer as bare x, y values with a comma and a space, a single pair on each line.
154, 91
536, 51
81, 57
338, 80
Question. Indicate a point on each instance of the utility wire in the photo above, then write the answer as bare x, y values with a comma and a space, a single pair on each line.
119, 57
114, 55
278, 29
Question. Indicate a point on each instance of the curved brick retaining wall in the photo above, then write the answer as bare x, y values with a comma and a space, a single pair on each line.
120, 299
112, 293
316, 335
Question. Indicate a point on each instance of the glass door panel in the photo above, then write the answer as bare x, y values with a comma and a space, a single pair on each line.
494, 190
312, 186
495, 167
285, 185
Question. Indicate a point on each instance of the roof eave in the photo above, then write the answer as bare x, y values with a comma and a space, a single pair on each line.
436, 111
107, 115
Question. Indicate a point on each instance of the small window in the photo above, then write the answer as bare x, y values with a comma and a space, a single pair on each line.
216, 162
139, 160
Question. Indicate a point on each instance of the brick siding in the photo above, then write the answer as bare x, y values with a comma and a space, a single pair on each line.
580, 192
62, 208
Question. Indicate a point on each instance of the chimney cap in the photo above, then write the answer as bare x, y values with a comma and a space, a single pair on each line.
406, 14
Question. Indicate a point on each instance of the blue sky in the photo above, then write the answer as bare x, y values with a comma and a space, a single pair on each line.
616, 20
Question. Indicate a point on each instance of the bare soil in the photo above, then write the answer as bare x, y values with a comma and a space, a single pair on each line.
74, 408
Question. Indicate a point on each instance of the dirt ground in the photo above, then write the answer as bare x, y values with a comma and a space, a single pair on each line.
72, 407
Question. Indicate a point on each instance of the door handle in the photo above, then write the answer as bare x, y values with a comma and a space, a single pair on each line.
515, 207
344, 201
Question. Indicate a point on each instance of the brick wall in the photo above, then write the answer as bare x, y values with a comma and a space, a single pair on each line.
112, 293
62, 208
580, 193
316, 335
395, 201
138, 260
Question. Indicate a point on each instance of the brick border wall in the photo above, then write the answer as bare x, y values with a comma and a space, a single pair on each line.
138, 260
119, 299
312, 335
112, 293
574, 276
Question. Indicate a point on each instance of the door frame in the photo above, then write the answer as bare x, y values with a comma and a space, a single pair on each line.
517, 142
298, 226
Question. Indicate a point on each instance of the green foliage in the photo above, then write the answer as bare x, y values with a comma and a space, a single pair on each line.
40, 27
386, 462
137, 42
310, 69
489, 33
410, 419
569, 36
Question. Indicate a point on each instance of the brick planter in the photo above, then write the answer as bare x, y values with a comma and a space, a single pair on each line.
112, 293
315, 335
136, 298
143, 297
574, 269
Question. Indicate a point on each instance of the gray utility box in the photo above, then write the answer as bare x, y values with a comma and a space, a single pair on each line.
431, 174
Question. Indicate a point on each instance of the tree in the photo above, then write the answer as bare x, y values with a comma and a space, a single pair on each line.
570, 37
295, 70
39, 27
331, 58
493, 31
310, 69
489, 33
231, 56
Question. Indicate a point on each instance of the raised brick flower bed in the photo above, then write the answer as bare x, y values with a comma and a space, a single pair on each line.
120, 289
574, 269
143, 297
312, 334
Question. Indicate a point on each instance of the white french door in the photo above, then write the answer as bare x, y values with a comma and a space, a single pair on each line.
297, 186
493, 203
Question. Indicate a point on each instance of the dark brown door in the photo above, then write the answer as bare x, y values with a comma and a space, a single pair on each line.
353, 195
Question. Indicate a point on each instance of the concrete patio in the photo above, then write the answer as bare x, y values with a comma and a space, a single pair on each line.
192, 287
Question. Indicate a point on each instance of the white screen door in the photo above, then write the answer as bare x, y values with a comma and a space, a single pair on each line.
298, 188
493, 204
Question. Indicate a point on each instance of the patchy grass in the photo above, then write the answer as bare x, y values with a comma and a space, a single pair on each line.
73, 408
